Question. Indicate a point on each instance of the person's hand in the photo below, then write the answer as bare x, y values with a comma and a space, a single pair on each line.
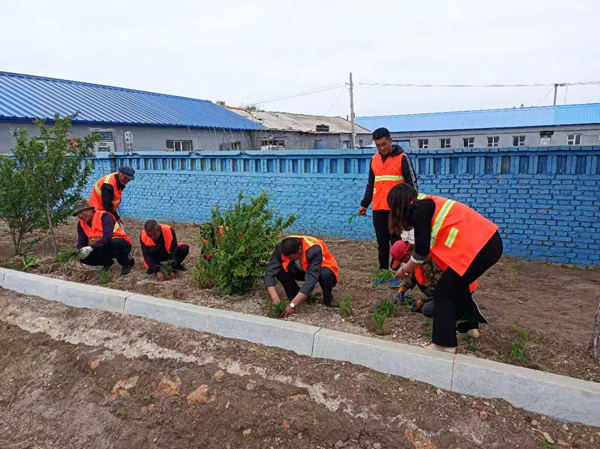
85, 251
172, 275
276, 301
362, 211
402, 274
160, 276
289, 310
420, 304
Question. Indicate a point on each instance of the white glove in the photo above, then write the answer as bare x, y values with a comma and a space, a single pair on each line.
85, 251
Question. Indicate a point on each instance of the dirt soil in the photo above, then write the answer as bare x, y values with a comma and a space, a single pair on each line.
540, 314
78, 378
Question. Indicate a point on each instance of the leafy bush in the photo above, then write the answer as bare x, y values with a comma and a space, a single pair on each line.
239, 243
345, 307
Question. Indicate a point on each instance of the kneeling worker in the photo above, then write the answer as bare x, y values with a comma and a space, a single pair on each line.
101, 239
302, 258
159, 243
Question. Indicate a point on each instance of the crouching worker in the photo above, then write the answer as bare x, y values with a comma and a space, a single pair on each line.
302, 258
426, 276
101, 239
159, 243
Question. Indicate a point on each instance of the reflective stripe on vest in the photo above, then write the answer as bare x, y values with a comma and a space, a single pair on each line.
95, 232
96, 196
387, 175
389, 178
439, 221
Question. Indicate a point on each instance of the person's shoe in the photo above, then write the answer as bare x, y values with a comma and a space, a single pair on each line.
180, 267
395, 283
380, 279
335, 302
108, 264
125, 271
473, 333
131, 261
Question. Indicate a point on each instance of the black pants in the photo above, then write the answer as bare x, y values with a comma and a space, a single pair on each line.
452, 293
384, 238
159, 254
119, 249
327, 281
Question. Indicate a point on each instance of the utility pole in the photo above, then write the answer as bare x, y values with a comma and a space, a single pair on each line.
352, 112
555, 92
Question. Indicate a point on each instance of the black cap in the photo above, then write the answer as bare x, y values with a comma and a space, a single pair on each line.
128, 172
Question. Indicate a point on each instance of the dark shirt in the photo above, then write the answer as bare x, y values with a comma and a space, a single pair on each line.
159, 251
408, 173
421, 214
108, 225
108, 195
314, 257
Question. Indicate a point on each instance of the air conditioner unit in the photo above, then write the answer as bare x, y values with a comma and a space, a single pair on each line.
105, 146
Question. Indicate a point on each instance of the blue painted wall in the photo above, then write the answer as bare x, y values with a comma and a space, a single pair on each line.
545, 200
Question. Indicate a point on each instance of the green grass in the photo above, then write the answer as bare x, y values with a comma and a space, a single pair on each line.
385, 307
346, 307
427, 335
276, 310
166, 268
379, 321
382, 277
517, 353
103, 276
472, 346
429, 322
524, 334
30, 260
66, 256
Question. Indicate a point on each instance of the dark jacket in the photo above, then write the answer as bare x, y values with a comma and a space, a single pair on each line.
159, 251
108, 224
314, 257
108, 194
408, 173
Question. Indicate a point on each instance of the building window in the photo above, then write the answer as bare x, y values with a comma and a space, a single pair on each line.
179, 145
236, 146
468, 142
345, 144
423, 143
272, 144
573, 139
546, 138
320, 144
444, 143
360, 143
493, 141
518, 141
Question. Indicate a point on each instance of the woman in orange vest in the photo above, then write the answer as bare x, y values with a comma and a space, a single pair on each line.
302, 258
159, 243
101, 239
108, 190
463, 243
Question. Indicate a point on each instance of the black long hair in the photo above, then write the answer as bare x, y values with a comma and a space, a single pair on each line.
399, 200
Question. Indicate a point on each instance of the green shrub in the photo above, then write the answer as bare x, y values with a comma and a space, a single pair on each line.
239, 242
166, 268
30, 260
517, 353
346, 308
103, 276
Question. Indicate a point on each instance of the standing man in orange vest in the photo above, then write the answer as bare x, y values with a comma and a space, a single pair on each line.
389, 167
463, 243
101, 239
107, 192
302, 258
159, 243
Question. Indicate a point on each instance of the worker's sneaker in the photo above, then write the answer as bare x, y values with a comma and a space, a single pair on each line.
473, 333
125, 271
131, 260
335, 302
382, 277
395, 283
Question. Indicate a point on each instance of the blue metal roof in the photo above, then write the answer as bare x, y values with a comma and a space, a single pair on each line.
575, 114
27, 97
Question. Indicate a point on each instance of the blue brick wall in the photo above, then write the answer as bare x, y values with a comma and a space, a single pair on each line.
545, 200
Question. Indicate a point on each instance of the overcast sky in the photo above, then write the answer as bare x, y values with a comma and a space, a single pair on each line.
243, 51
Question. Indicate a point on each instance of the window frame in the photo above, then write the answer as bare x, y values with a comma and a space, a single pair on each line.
493, 141
445, 142
573, 139
468, 142
423, 144
180, 144
520, 140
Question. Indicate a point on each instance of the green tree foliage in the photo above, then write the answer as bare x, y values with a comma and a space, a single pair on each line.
238, 244
57, 166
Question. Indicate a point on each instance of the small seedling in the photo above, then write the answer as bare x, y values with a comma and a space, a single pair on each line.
276, 310
385, 307
64, 376
66, 256
166, 268
382, 277
427, 335
545, 444
30, 260
379, 321
103, 276
351, 219
429, 322
523, 333
408, 300
472, 347
345, 307
517, 353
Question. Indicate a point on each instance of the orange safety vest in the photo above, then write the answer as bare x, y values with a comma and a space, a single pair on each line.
387, 175
421, 279
94, 233
168, 236
96, 196
458, 233
307, 242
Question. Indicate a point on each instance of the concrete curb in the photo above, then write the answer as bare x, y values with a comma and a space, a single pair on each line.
560, 397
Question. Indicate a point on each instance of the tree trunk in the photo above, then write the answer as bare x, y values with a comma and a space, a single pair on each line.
596, 337
49, 214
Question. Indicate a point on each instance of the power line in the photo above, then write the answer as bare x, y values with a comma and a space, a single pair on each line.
296, 94
542, 99
581, 83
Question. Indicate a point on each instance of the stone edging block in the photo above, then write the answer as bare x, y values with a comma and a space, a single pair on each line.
69, 293
557, 396
385, 356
